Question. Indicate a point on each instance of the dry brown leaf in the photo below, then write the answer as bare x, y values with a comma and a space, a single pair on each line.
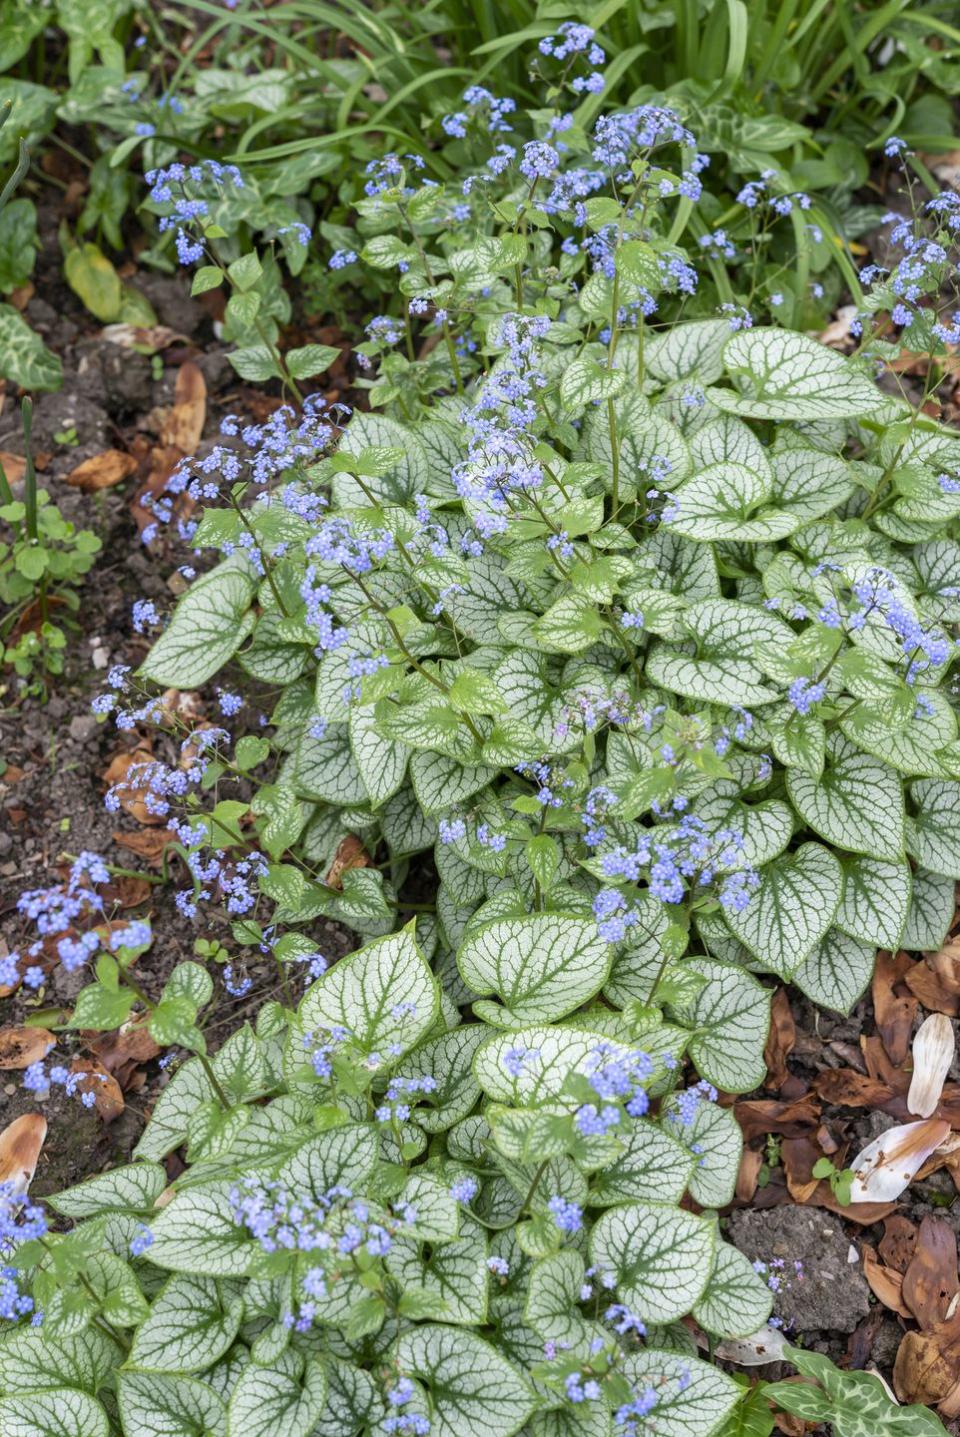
22, 295
102, 471
885, 1282
122, 1052
183, 427
350, 854
879, 1065
895, 1007
930, 1283
131, 798
13, 466
864, 1214
20, 1144
19, 1047
183, 704
750, 1165
108, 1099
780, 1039
898, 1242
799, 1156
926, 1367
150, 844
936, 982
791, 1120
125, 892
845, 1088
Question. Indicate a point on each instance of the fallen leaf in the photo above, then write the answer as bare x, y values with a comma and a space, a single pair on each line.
121, 772
149, 844
926, 1367
749, 1172
864, 1214
898, 1242
19, 1047
799, 1156
885, 1283
183, 704
894, 1006
861, 1341
183, 426
780, 1039
125, 892
760, 1116
20, 1144
122, 1052
930, 1283
103, 471
350, 854
13, 466
845, 1088
107, 1097
888, 1165
933, 1050
879, 1064
22, 295
938, 989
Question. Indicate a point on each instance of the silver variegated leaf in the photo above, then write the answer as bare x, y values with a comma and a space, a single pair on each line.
790, 912
661, 1256
857, 804
933, 833
737, 1301
876, 900
541, 966
472, 1387
837, 971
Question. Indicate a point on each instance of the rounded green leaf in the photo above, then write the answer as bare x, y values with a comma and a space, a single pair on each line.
661, 1256
59, 1412
837, 971
730, 1016
541, 967
737, 1300
268, 1401
209, 624
153, 1404
783, 375
792, 909
857, 803
693, 1398
385, 994
876, 901
191, 1324
472, 1388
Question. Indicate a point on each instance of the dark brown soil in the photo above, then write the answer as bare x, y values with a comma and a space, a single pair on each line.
53, 750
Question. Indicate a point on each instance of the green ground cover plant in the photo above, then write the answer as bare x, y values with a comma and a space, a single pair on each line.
627, 612
806, 91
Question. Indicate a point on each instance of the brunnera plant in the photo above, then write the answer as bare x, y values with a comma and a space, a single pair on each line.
640, 625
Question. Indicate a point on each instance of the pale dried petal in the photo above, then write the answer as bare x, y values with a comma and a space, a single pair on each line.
889, 1164
933, 1050
763, 1346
